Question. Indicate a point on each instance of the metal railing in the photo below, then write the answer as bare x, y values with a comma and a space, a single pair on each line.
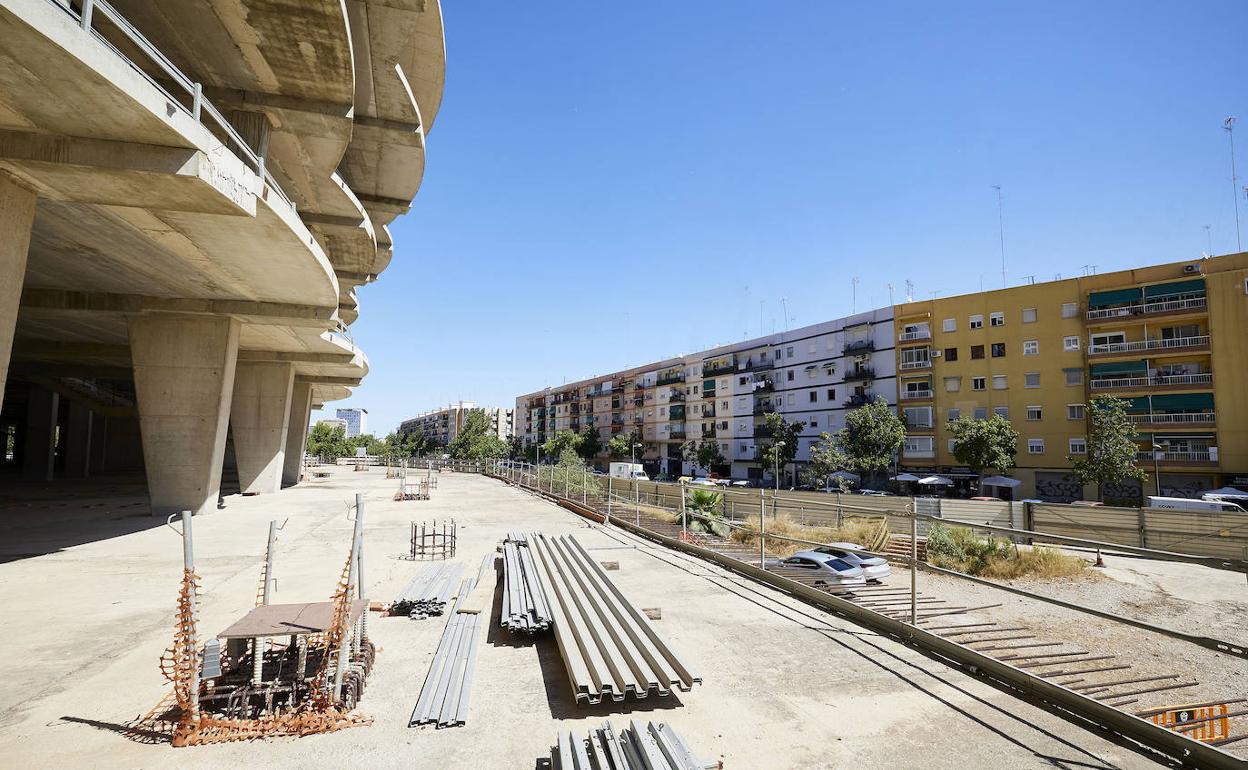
1203, 378
1166, 306
863, 346
1150, 344
1179, 418
910, 395
920, 334
925, 363
861, 373
1202, 456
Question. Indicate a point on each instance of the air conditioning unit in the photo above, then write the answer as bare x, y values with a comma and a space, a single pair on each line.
937, 354
1190, 269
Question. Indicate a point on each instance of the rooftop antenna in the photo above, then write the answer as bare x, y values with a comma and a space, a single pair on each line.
1208, 241
1030, 279
934, 293
1229, 125
854, 304
1001, 230
890, 293
909, 290
784, 306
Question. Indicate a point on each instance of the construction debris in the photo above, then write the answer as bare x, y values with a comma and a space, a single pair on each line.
429, 591
608, 645
525, 608
434, 541
652, 746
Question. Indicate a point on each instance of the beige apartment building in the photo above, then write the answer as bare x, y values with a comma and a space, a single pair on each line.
443, 425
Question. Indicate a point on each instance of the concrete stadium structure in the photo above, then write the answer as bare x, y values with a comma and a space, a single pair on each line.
190, 194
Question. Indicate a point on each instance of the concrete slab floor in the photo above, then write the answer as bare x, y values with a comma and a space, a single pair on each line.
785, 685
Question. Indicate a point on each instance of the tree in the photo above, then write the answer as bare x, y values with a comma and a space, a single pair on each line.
476, 439
328, 442
591, 444
622, 445
561, 441
781, 447
872, 437
984, 444
703, 454
827, 457
704, 508
1111, 446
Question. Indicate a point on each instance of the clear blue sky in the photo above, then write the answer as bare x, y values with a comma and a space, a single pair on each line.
608, 184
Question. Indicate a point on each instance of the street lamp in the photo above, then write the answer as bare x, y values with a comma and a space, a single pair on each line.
776, 457
632, 461
1157, 452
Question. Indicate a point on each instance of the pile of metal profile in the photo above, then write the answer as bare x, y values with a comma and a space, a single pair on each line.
429, 591
525, 608
444, 696
637, 747
609, 647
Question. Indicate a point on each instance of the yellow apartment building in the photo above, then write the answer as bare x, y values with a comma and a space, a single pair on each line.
1170, 339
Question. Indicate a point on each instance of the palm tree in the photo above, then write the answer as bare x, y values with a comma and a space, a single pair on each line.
705, 507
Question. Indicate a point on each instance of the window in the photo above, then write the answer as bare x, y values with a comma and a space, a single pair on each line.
1073, 376
996, 319
977, 351
1002, 411
979, 383
954, 414
1031, 347
788, 352
775, 354
1031, 380
1035, 446
811, 371
724, 405
951, 354
953, 384
1070, 343
919, 445
1078, 446
998, 350
831, 394
952, 444
1074, 412
788, 376
1034, 413
977, 322
814, 422
918, 416
949, 325
814, 396
723, 425
742, 380
998, 382
1113, 338
981, 413
1070, 309
1029, 315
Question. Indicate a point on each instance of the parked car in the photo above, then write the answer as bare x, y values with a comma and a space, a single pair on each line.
702, 482
827, 568
874, 568
872, 493
988, 499
740, 483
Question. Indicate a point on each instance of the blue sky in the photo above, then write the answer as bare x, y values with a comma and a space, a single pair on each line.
608, 184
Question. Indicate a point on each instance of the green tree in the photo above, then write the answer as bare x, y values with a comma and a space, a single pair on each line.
703, 454
476, 439
780, 446
872, 437
620, 447
1111, 446
560, 442
591, 444
704, 508
328, 442
827, 457
984, 444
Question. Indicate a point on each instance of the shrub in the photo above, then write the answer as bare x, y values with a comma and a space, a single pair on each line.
961, 550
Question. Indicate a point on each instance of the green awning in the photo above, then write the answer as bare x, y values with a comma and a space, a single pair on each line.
1194, 286
1137, 404
1098, 299
1125, 368
1183, 401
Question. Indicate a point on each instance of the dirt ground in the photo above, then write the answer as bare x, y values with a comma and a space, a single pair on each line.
87, 597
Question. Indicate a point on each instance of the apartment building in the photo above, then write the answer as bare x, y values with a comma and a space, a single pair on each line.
443, 425
356, 420
1170, 339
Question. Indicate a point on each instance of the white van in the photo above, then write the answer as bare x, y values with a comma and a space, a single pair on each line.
1186, 504
633, 471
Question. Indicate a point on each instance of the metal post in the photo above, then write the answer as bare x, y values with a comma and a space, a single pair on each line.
585, 485
257, 650
567, 481
684, 524
341, 668
197, 100
914, 567
762, 528
359, 569
608, 521
87, 7
192, 633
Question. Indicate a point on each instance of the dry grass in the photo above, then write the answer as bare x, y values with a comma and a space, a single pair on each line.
961, 550
863, 531
1037, 562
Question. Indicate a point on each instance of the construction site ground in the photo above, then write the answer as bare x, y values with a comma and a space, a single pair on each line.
87, 592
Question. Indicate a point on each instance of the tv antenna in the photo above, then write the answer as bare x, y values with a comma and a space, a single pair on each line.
1001, 230
1229, 125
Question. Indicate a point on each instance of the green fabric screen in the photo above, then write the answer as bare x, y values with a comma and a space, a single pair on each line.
1137, 404
1119, 367
1180, 401
1194, 286
1116, 297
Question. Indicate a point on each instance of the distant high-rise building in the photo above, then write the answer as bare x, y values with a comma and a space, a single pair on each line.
356, 420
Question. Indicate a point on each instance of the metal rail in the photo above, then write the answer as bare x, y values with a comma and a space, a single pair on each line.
652, 746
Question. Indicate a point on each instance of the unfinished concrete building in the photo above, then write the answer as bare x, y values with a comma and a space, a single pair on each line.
190, 194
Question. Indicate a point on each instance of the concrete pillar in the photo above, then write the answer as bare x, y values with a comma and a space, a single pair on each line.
42, 406
76, 440
258, 418
184, 379
17, 213
297, 431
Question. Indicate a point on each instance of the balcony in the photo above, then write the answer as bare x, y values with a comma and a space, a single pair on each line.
762, 431
1173, 418
1193, 456
859, 347
1174, 343
638, 420
1179, 380
765, 385
916, 395
1190, 305
676, 413
708, 411
761, 409
918, 454
670, 378
638, 400
677, 432
860, 373
617, 420
676, 396
907, 366
758, 366
709, 431
917, 334
710, 370
859, 399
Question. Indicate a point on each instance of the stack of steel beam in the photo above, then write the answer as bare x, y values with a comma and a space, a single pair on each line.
637, 747
609, 647
428, 592
525, 608
443, 698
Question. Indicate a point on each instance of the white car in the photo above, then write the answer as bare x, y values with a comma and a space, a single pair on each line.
702, 482
827, 568
874, 568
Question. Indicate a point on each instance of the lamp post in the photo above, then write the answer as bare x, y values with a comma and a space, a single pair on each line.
632, 460
1157, 451
776, 458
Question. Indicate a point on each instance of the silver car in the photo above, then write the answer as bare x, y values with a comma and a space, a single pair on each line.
827, 568
874, 568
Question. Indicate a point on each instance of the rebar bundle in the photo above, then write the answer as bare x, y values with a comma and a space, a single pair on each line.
429, 591
525, 608
652, 746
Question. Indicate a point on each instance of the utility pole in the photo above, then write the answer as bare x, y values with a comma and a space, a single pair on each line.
1229, 125
1001, 230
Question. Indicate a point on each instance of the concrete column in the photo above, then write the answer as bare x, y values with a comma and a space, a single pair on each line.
42, 406
297, 431
258, 418
184, 379
17, 213
76, 440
